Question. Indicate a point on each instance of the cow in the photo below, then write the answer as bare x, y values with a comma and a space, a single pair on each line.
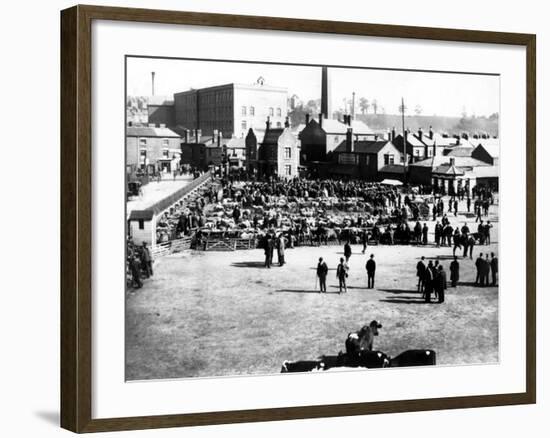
362, 339
300, 366
365, 359
414, 358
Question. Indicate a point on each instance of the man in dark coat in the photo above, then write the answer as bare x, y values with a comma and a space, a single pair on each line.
371, 269
421, 274
347, 251
440, 284
494, 269
479, 269
135, 268
454, 268
425, 234
322, 271
281, 250
428, 282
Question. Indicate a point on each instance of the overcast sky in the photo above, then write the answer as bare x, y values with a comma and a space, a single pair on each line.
446, 94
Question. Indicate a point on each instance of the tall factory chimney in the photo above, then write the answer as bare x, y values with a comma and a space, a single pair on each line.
352, 106
325, 93
152, 83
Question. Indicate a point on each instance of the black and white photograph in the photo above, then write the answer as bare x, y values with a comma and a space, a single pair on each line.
287, 218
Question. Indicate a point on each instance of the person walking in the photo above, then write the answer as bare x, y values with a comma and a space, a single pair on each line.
471, 244
371, 270
487, 232
364, 240
468, 203
342, 274
454, 269
421, 274
494, 269
347, 251
455, 206
322, 271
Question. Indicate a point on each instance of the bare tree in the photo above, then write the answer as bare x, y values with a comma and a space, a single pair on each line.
375, 106
418, 110
364, 105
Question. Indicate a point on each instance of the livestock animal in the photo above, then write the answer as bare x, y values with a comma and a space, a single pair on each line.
414, 358
300, 366
362, 339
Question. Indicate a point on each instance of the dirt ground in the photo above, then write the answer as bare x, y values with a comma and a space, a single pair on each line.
223, 313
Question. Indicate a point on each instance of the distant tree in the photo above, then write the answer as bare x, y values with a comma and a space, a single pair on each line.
418, 110
402, 109
364, 105
374, 106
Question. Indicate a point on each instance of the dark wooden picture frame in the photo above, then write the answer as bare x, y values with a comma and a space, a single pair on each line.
76, 218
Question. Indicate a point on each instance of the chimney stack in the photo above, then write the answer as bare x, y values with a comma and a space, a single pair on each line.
186, 136
152, 83
267, 124
393, 133
451, 161
219, 138
321, 120
420, 134
349, 140
307, 119
431, 133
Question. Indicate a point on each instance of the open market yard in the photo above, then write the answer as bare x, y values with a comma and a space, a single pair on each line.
223, 313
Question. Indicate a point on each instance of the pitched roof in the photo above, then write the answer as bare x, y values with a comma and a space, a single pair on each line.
460, 162
272, 135
146, 131
236, 143
333, 126
447, 169
364, 146
491, 145
459, 151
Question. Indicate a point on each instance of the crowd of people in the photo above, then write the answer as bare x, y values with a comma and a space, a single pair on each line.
139, 264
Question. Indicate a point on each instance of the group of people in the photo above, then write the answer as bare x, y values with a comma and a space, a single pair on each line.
270, 243
342, 272
486, 267
432, 278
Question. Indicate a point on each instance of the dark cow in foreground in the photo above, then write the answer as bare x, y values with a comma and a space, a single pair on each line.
362, 339
300, 366
369, 359
414, 358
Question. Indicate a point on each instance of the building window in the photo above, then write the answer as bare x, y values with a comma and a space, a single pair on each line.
279, 125
165, 142
141, 224
367, 159
336, 139
243, 111
143, 142
252, 111
271, 111
165, 153
429, 152
278, 112
288, 153
388, 159
243, 124
288, 170
416, 152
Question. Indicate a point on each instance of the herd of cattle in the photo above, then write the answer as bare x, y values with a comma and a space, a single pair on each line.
360, 354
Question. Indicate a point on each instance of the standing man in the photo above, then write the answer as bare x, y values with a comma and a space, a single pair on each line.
455, 205
425, 234
341, 274
468, 203
428, 282
440, 284
281, 249
494, 269
268, 244
146, 260
371, 269
347, 251
486, 270
322, 271
487, 232
364, 240
421, 274
135, 268
454, 268
479, 269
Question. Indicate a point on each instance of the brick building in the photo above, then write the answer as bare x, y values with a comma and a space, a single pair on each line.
152, 149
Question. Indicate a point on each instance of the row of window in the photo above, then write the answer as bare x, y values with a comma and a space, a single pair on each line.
244, 125
251, 111
143, 142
